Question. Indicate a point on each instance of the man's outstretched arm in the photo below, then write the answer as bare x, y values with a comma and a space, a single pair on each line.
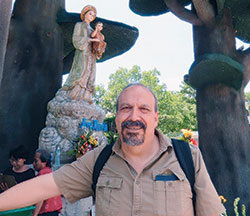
29, 192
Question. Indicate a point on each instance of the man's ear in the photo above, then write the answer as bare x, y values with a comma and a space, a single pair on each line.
156, 119
115, 121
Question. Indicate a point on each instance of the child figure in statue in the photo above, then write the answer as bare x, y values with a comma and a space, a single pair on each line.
81, 80
98, 47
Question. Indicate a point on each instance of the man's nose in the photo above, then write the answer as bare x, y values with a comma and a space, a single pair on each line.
134, 114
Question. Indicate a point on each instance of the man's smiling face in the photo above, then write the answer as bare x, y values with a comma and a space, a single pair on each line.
136, 117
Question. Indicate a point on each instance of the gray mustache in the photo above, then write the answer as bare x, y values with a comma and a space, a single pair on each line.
133, 123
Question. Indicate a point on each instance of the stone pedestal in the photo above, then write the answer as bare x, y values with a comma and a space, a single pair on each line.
63, 123
79, 208
62, 127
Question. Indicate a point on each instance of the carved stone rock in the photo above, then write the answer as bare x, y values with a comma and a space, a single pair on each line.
63, 123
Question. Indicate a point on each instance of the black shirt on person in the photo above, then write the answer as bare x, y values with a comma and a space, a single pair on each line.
20, 176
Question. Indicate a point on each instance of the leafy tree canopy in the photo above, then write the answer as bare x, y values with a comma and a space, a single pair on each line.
177, 110
247, 99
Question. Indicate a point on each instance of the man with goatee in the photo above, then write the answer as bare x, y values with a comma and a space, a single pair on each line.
142, 176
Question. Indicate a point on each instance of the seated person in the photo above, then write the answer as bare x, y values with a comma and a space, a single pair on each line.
18, 169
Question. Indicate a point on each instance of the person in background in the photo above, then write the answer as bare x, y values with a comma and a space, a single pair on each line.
51, 206
18, 169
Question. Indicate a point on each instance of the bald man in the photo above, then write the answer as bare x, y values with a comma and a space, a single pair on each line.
128, 183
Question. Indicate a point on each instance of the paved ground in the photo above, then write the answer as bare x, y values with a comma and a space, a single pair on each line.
80, 208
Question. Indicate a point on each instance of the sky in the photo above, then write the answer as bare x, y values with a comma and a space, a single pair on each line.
164, 42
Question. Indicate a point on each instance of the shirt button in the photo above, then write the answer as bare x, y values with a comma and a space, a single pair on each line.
137, 182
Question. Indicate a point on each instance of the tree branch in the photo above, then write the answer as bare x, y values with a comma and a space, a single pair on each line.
205, 11
182, 13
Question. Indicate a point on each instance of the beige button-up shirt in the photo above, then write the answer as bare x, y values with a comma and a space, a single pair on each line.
121, 191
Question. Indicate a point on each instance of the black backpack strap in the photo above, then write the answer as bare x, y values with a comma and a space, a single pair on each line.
100, 162
184, 156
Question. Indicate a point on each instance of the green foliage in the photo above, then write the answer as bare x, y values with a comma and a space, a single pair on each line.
177, 110
176, 113
247, 99
99, 93
236, 208
110, 121
112, 134
189, 94
120, 79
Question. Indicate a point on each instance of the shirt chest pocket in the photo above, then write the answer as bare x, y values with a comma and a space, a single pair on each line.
108, 192
172, 194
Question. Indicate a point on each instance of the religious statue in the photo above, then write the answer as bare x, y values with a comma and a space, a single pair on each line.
81, 80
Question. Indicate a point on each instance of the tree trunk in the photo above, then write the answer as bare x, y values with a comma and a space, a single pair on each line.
32, 73
224, 133
5, 13
224, 140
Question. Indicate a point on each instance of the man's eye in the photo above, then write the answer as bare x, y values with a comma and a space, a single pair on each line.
124, 108
144, 109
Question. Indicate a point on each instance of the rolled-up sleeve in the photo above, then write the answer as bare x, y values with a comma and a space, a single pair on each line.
75, 179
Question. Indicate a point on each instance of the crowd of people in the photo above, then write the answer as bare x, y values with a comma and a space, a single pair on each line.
23, 172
